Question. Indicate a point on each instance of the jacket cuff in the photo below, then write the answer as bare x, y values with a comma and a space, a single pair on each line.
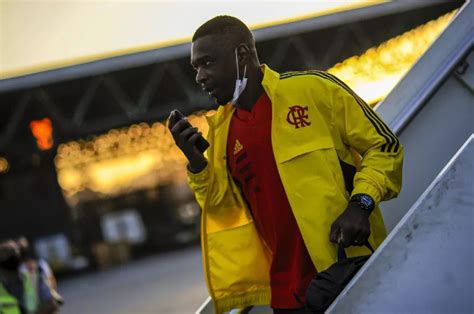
198, 177
366, 188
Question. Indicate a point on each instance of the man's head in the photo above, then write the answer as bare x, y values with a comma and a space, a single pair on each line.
25, 250
213, 55
9, 255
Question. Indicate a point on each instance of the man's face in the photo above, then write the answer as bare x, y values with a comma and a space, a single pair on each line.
213, 58
9, 255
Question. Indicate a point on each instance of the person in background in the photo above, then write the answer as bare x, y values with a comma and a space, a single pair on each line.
10, 283
39, 284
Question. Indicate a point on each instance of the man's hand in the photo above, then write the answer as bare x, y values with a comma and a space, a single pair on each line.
185, 137
352, 227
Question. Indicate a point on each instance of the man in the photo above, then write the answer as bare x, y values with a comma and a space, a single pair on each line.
279, 186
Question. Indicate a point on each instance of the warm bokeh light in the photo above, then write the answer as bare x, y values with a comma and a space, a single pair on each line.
4, 166
138, 157
42, 130
143, 156
375, 73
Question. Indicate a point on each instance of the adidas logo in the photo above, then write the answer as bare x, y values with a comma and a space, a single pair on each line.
237, 147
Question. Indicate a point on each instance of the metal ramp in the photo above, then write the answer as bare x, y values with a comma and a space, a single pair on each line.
425, 265
431, 110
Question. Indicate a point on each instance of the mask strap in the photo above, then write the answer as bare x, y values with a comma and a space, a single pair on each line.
237, 64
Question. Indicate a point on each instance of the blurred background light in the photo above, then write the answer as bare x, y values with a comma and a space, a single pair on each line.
4, 165
42, 130
141, 156
376, 72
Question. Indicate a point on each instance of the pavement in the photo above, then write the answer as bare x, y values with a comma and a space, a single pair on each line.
170, 282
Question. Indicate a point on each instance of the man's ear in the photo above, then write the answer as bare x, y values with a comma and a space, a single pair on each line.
243, 54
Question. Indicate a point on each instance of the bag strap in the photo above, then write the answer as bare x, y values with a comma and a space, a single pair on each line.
341, 253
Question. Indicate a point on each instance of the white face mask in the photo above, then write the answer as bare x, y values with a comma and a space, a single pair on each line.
240, 84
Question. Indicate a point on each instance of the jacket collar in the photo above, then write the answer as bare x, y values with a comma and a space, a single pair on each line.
269, 83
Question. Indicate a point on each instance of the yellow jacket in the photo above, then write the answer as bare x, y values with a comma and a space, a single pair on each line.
319, 127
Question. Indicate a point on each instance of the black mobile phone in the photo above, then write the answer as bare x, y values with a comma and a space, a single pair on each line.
202, 144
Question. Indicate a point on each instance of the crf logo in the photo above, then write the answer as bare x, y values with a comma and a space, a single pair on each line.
298, 116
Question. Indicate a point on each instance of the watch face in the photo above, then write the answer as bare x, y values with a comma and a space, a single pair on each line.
366, 200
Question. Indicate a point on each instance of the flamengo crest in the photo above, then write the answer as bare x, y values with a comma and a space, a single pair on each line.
298, 116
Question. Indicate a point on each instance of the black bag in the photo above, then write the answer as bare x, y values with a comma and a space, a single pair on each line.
326, 285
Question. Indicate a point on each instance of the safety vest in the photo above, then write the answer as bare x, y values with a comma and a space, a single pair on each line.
8, 303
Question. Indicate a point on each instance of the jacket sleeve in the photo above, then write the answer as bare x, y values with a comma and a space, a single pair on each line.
199, 183
380, 175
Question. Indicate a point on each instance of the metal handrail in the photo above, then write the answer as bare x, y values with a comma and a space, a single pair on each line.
451, 58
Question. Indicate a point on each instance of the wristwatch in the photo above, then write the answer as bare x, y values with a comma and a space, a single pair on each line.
364, 201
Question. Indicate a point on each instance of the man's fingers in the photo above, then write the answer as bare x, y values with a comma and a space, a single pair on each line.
172, 119
360, 239
347, 237
334, 238
363, 237
193, 138
344, 240
334, 234
354, 236
179, 126
187, 133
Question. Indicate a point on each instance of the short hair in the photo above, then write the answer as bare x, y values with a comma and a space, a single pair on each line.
234, 29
